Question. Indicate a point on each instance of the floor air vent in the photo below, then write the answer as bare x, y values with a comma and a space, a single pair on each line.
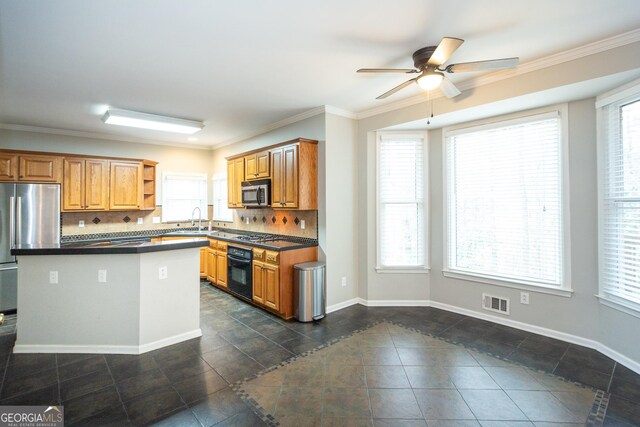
497, 304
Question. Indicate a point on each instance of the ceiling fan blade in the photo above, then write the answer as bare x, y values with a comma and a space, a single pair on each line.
448, 89
387, 70
445, 49
396, 89
493, 64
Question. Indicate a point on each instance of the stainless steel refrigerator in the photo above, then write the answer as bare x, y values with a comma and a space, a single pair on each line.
29, 217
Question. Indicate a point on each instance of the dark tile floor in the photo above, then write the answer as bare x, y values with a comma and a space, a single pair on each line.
195, 383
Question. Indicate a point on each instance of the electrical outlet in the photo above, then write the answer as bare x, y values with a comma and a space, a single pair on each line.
246, 220
302, 224
524, 297
344, 282
162, 273
81, 223
140, 221
53, 277
102, 276
156, 220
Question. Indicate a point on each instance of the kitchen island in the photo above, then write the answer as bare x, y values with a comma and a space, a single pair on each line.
108, 296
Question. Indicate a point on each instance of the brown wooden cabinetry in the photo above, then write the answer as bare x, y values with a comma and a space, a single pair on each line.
216, 263
203, 263
148, 185
294, 170
8, 167
85, 184
235, 176
257, 166
36, 168
125, 185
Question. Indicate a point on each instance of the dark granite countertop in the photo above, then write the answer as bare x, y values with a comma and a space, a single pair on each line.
114, 246
282, 244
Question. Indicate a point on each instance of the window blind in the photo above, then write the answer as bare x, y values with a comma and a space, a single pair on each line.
504, 200
620, 259
181, 194
221, 211
401, 227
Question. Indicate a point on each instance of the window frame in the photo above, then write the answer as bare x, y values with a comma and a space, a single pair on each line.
565, 289
200, 176
425, 267
214, 180
628, 93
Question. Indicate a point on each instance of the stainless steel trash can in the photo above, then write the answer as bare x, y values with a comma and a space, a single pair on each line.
309, 291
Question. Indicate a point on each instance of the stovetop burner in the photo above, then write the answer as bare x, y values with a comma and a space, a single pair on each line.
258, 237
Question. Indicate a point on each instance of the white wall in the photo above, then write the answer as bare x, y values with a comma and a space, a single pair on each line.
172, 159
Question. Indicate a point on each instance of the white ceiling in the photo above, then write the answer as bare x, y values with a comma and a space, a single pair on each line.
240, 66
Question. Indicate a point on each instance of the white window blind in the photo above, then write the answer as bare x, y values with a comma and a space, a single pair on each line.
504, 200
401, 218
181, 194
221, 211
620, 257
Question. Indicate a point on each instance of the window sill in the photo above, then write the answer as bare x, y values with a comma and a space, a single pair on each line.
525, 286
625, 307
403, 270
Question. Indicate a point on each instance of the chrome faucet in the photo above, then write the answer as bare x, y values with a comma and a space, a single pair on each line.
193, 214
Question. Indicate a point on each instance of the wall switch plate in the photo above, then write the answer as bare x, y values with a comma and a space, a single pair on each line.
524, 297
53, 277
302, 224
156, 220
81, 223
344, 282
162, 273
102, 276
140, 221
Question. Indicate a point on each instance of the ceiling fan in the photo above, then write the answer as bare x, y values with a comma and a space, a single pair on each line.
429, 62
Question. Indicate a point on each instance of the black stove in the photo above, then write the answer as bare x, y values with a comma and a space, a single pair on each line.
258, 237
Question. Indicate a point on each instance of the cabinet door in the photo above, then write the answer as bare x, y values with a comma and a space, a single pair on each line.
238, 171
96, 184
262, 165
73, 187
125, 185
290, 172
250, 167
277, 178
211, 265
40, 168
203, 262
8, 167
258, 283
271, 278
231, 193
221, 267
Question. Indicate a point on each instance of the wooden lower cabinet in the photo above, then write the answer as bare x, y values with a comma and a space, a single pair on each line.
266, 285
211, 265
203, 263
221, 269
258, 283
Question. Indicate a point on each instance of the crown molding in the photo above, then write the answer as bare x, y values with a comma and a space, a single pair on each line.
97, 135
534, 65
330, 109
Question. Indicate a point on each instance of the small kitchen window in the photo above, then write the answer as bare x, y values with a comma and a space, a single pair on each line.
181, 194
506, 221
619, 198
401, 200
221, 211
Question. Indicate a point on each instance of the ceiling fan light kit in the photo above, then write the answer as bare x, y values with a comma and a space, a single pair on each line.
151, 121
429, 62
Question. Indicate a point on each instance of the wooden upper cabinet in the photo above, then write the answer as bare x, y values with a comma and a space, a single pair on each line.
285, 182
235, 176
125, 185
85, 184
8, 167
257, 166
36, 168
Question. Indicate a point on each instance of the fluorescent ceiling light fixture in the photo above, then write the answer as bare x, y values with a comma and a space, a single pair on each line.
430, 80
151, 121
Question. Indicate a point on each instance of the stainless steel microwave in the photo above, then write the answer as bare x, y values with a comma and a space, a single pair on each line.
256, 194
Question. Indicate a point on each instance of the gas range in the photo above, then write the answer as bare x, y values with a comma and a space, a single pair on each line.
258, 238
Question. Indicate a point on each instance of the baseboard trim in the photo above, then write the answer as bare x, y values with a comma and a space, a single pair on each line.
107, 349
343, 304
551, 333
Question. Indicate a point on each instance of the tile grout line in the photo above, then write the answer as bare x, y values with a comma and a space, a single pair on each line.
113, 382
58, 379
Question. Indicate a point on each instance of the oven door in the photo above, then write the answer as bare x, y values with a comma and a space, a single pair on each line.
239, 280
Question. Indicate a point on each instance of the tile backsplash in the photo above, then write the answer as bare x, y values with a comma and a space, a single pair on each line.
260, 220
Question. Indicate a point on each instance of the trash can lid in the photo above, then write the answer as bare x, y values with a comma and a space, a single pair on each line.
309, 266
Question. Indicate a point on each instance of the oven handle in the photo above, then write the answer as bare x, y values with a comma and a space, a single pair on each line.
238, 260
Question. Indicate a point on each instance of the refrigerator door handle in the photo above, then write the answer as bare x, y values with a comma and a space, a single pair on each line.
18, 221
12, 223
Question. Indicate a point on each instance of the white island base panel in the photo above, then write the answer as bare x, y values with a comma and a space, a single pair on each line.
133, 312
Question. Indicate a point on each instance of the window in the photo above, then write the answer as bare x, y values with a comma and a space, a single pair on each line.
221, 211
504, 202
181, 194
401, 198
620, 200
